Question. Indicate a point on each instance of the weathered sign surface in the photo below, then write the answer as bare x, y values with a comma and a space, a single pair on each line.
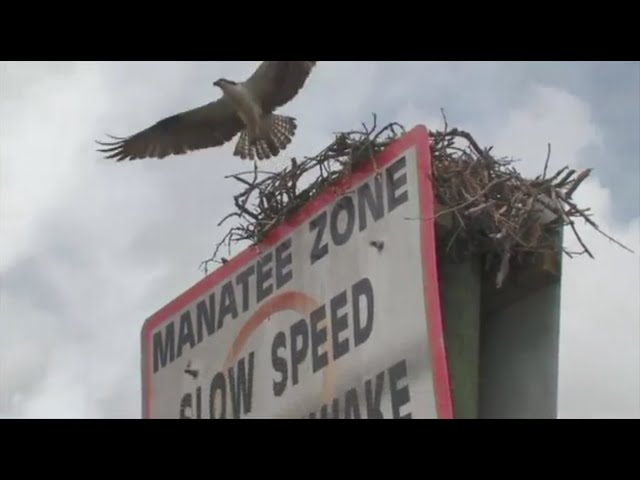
335, 315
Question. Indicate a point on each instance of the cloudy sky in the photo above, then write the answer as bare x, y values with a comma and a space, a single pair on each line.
89, 248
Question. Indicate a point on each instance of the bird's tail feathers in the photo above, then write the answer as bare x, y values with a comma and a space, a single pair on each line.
281, 130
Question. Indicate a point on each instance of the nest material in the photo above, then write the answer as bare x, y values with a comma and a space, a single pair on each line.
495, 210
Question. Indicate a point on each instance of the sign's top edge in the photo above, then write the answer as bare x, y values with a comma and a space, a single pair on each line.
412, 138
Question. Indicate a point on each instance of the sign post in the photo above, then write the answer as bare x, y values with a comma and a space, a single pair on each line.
336, 314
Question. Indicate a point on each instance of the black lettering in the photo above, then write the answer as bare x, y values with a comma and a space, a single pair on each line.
206, 317
339, 324
335, 410
241, 387
218, 384
227, 303
318, 338
243, 279
362, 332
399, 395
373, 396
345, 204
394, 183
279, 363
319, 250
263, 275
185, 404
164, 353
299, 330
351, 404
283, 260
373, 200
186, 335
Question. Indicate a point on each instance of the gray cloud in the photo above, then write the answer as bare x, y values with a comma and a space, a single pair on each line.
90, 248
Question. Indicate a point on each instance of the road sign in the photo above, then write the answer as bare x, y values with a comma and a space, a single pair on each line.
335, 315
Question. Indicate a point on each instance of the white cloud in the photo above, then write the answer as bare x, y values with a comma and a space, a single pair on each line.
90, 248
550, 115
44, 116
600, 329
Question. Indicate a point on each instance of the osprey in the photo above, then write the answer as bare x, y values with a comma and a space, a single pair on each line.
246, 108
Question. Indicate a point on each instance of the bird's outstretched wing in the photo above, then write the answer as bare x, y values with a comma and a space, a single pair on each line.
210, 125
276, 83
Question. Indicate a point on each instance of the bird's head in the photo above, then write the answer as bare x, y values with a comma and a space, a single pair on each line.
223, 82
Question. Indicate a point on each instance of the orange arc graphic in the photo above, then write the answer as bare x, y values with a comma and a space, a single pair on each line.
295, 301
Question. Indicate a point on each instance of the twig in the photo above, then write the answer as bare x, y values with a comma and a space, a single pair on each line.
457, 207
205, 263
546, 162
576, 183
496, 212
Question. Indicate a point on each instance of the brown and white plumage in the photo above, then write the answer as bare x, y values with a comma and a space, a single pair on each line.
246, 108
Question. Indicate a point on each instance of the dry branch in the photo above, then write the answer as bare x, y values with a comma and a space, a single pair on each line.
496, 212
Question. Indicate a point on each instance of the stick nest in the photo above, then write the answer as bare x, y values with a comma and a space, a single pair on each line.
492, 209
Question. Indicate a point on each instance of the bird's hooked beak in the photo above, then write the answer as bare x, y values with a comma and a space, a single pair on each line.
216, 83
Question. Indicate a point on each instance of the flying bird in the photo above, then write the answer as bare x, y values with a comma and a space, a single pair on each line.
244, 107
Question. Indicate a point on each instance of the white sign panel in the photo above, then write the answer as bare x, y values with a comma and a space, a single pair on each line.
335, 315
